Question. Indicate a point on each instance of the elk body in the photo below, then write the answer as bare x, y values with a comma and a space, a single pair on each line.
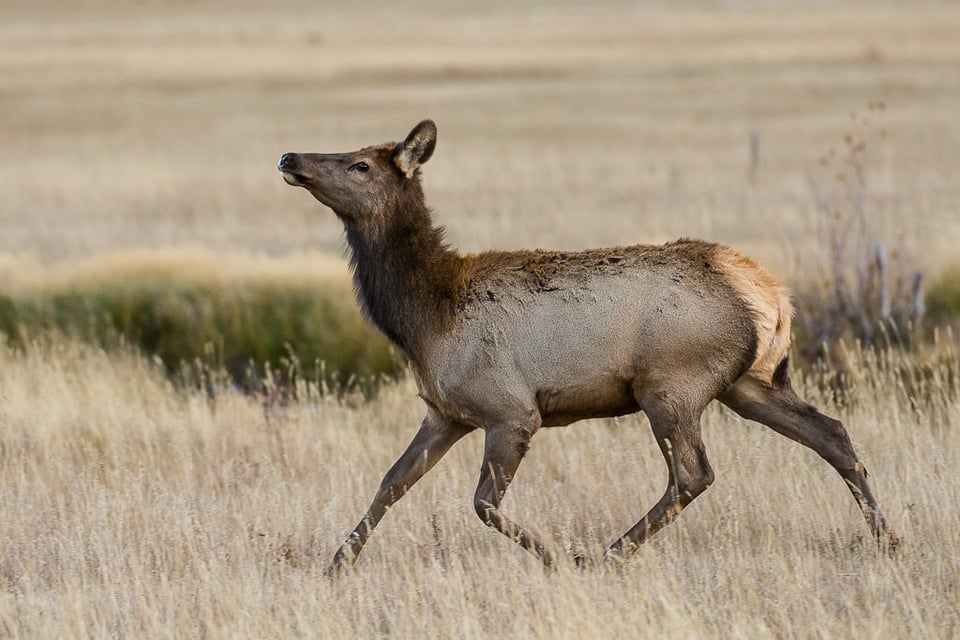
509, 342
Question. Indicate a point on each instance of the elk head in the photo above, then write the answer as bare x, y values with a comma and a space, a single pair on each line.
362, 184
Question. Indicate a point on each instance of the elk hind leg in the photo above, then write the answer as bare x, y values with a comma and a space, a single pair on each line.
676, 427
778, 406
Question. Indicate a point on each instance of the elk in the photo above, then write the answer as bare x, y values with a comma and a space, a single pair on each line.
513, 341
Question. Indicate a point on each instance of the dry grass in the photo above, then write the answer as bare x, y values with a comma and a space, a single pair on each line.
133, 510
25, 273
560, 126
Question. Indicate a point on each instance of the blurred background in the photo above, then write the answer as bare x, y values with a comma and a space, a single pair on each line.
138, 145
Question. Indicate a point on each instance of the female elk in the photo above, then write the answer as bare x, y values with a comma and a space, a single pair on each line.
510, 342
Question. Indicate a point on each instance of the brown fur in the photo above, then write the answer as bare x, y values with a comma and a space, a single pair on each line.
509, 342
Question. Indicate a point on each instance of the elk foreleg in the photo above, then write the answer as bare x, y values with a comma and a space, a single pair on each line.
434, 438
504, 448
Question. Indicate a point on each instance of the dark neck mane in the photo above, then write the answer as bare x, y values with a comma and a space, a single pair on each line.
406, 277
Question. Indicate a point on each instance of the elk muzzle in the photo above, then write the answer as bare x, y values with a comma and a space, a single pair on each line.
290, 166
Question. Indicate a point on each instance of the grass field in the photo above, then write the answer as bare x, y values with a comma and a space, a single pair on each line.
134, 510
143, 141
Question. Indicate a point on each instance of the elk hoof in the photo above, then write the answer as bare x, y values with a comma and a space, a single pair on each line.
337, 567
891, 542
617, 553
334, 570
547, 559
583, 562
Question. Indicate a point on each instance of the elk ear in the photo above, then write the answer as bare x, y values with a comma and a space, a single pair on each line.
417, 148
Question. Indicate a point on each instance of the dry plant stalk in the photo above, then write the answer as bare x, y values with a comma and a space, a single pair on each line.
867, 287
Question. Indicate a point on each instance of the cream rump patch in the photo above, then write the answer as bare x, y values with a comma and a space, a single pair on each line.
768, 298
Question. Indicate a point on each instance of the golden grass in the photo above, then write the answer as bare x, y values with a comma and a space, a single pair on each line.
145, 140
161, 125
131, 509
25, 273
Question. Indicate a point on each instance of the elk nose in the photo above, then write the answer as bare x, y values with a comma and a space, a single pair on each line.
287, 161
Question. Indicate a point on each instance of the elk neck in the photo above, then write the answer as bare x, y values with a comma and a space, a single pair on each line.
406, 277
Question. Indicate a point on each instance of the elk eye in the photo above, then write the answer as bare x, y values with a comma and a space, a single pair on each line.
361, 166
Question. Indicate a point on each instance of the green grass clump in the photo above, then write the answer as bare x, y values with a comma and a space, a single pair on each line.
943, 300
242, 331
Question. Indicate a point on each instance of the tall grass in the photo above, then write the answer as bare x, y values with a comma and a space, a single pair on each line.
133, 508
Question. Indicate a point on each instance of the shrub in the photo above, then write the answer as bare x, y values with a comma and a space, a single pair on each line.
231, 332
943, 302
864, 284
